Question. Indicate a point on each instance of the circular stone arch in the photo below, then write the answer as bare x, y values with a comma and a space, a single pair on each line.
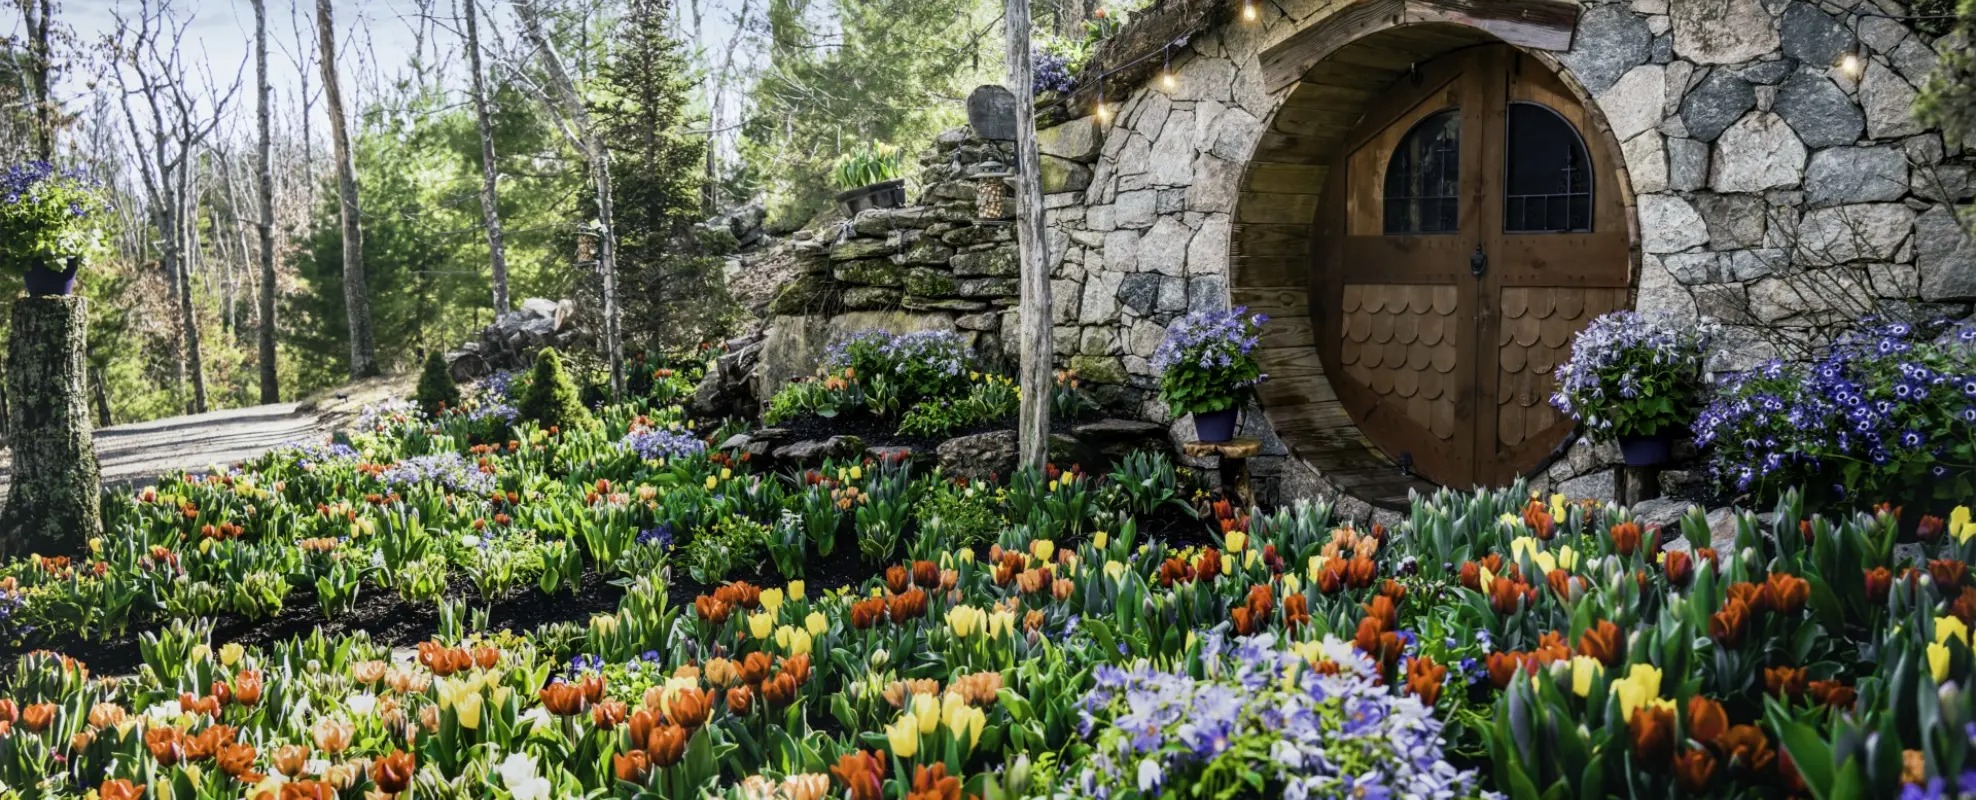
1337, 70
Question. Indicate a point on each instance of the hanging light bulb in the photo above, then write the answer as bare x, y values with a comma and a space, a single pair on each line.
1104, 113
1249, 12
1167, 81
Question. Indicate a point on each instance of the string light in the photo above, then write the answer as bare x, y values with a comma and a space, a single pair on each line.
1167, 81
1249, 12
1104, 113
1851, 65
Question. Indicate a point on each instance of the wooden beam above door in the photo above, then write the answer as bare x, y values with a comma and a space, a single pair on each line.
1533, 24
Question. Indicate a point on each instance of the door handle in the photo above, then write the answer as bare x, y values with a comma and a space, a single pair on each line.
1478, 262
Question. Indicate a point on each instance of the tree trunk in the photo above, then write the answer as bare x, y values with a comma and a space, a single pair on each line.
1032, 242
363, 349
40, 16
600, 173
270, 376
54, 505
490, 210
188, 312
101, 392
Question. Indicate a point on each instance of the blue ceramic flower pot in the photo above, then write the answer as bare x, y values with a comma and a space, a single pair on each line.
1215, 426
44, 282
1646, 451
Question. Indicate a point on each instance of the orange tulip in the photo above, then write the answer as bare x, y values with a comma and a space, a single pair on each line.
1651, 732
666, 745
393, 773
1706, 720
1747, 749
631, 767
1604, 642
38, 716
1694, 770
1786, 683
862, 773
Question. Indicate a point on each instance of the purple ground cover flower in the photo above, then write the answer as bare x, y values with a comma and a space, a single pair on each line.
651, 443
448, 469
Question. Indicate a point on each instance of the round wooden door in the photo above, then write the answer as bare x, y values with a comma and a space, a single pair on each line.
1469, 231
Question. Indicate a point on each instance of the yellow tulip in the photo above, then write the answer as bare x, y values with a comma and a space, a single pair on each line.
726, 473
1584, 670
230, 653
1545, 562
1100, 539
1236, 541
604, 624
796, 590
857, 473
1521, 545
1291, 585
1960, 525
963, 620
950, 704
1938, 661
967, 556
711, 482
817, 623
1567, 558
903, 736
1053, 486
1946, 627
1648, 675
771, 600
926, 708
499, 697
1316, 568
971, 720
202, 651
761, 625
1001, 623
468, 710
1043, 548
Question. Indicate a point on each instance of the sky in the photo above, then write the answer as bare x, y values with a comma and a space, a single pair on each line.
378, 39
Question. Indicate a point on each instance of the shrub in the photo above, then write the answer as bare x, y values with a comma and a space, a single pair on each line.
1889, 414
437, 391
1632, 375
1205, 362
991, 398
551, 399
919, 365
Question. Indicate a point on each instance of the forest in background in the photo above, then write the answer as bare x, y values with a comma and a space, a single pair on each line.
692, 127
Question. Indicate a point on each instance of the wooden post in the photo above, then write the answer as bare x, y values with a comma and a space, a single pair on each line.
54, 505
1032, 242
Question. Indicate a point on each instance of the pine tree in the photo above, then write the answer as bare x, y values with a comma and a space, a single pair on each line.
551, 399
437, 391
673, 294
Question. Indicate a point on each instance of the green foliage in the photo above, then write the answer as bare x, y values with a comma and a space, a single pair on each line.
551, 397
48, 217
966, 516
868, 164
1949, 98
730, 544
990, 398
858, 70
670, 286
1146, 482
437, 391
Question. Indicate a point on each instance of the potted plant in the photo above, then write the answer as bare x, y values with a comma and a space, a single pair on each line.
1635, 379
48, 225
870, 177
1207, 368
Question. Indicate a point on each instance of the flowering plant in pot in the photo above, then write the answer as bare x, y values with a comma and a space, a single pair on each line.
1207, 368
1636, 379
48, 223
871, 176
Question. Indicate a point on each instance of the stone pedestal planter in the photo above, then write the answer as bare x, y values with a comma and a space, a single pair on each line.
54, 505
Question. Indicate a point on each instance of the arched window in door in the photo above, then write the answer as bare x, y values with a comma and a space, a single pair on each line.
1423, 181
1548, 186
